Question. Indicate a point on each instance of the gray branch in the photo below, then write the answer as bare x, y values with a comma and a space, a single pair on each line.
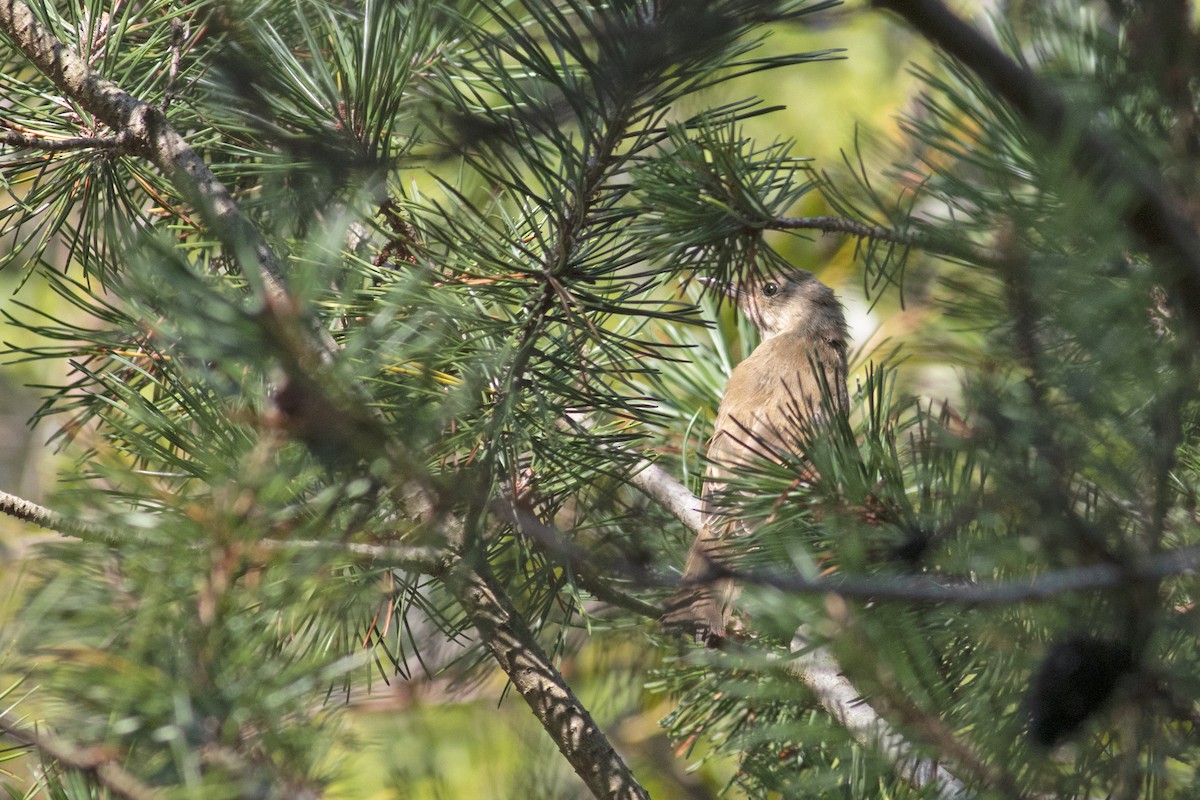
1045, 586
512, 644
816, 667
661, 487
151, 136
119, 143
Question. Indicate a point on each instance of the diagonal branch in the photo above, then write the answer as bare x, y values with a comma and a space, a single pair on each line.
1151, 213
816, 667
518, 653
661, 487
584, 564
818, 670
99, 765
151, 136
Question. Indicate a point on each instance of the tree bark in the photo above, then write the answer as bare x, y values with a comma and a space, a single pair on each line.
508, 638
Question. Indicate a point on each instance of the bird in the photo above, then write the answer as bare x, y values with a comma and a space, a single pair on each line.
769, 395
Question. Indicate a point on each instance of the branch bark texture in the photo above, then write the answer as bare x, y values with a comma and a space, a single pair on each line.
518, 653
148, 134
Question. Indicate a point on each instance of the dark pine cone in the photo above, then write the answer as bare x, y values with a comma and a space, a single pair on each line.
1077, 676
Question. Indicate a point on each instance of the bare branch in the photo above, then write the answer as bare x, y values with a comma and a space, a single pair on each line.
121, 143
672, 495
516, 650
817, 669
864, 230
1045, 586
28, 511
99, 765
658, 484
429, 560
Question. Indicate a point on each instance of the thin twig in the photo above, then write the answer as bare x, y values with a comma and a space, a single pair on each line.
1046, 586
426, 560
121, 143
675, 497
958, 249
583, 563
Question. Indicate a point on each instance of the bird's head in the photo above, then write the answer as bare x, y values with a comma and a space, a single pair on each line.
788, 300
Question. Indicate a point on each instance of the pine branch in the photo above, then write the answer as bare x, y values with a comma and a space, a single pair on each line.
151, 136
502, 630
507, 636
866, 230
1151, 213
28, 511
120, 144
817, 669
673, 496
425, 560
97, 764
500, 626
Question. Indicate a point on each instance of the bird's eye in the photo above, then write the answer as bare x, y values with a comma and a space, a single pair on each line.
770, 289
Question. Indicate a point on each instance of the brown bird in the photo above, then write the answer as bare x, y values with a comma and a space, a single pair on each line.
802, 331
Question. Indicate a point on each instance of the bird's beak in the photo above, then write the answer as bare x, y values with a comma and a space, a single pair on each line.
727, 288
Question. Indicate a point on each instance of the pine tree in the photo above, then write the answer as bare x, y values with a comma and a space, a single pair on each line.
383, 354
